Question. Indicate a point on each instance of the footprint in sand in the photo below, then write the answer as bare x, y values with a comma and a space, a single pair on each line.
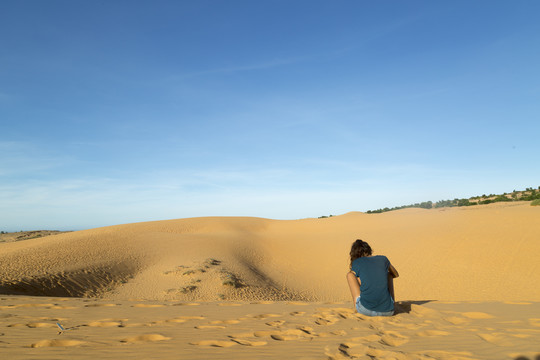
227, 322
325, 318
186, 304
297, 313
40, 325
393, 338
290, 334
34, 325
276, 323
307, 329
147, 305
384, 354
353, 350
47, 318
34, 305
183, 319
428, 333
447, 355
456, 320
57, 343
248, 342
358, 350
242, 335
265, 316
58, 307
215, 343
105, 324
408, 326
324, 322
368, 338
263, 333
496, 339
282, 335
178, 321
522, 336
157, 322
16, 325
145, 338
477, 315
345, 313
100, 305
205, 327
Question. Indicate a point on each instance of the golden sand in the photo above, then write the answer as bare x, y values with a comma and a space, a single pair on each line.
230, 287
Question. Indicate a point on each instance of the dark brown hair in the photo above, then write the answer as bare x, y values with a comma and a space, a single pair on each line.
359, 248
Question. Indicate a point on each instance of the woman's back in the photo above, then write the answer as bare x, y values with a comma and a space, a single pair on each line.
373, 274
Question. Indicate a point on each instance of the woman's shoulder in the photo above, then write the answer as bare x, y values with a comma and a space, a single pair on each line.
374, 258
382, 258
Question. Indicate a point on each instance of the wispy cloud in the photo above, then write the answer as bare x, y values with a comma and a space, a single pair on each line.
272, 193
76, 204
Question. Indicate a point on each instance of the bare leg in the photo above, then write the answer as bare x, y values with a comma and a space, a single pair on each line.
354, 285
391, 286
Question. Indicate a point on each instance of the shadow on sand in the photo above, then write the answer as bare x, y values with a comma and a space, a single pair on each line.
404, 307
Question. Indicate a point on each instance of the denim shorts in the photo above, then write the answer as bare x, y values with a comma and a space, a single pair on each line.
362, 310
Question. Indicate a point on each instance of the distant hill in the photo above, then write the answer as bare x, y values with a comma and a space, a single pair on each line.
529, 194
26, 235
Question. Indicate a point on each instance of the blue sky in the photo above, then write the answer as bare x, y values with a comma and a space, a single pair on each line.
125, 111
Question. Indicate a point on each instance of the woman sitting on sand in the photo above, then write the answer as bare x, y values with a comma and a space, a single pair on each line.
371, 281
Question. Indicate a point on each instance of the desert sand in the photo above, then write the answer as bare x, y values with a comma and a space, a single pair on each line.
251, 288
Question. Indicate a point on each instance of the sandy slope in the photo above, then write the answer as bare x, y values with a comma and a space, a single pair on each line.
486, 252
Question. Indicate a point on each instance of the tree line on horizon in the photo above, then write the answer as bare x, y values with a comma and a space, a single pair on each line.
529, 194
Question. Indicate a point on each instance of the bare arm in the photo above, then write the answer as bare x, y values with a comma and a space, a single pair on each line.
392, 271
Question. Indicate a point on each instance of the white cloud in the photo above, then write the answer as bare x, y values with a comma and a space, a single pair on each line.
299, 189
273, 193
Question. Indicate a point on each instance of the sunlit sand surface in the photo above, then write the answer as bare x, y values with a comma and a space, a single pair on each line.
97, 329
251, 288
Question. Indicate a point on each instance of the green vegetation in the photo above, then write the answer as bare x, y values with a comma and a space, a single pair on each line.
230, 279
529, 194
325, 217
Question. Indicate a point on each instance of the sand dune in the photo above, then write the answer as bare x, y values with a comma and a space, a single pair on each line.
251, 288
476, 253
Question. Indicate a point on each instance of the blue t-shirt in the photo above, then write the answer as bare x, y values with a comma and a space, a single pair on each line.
373, 274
